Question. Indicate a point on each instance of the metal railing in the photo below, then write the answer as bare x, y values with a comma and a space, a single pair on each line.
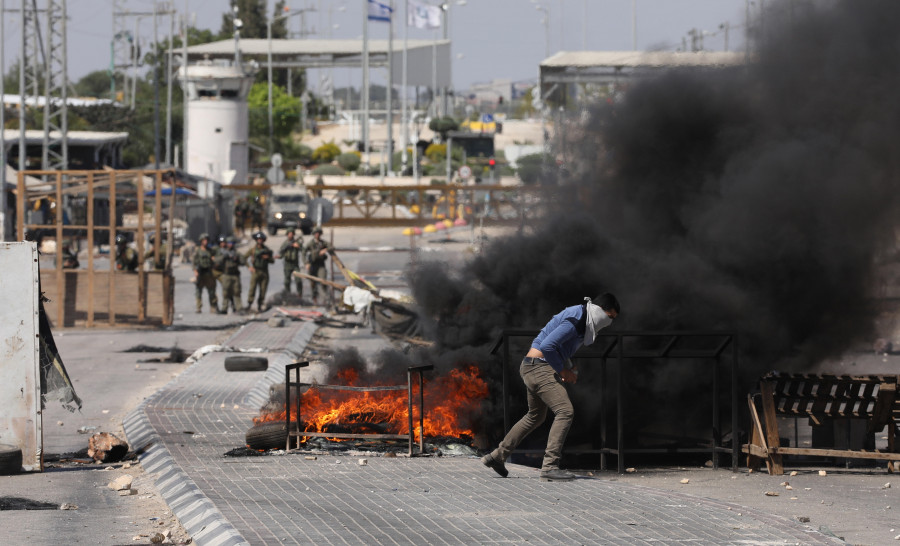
616, 341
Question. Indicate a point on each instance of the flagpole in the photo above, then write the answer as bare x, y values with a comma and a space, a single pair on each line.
365, 89
390, 93
404, 90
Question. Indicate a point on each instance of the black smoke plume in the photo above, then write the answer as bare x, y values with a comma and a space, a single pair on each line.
757, 198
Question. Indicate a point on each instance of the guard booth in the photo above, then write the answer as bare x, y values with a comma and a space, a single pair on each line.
88, 209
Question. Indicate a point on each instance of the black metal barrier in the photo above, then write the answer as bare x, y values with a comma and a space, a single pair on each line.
602, 349
296, 384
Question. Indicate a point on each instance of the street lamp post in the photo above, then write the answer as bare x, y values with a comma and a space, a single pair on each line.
546, 29
269, 71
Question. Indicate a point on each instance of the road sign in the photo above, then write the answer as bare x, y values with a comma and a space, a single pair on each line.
465, 171
487, 118
275, 175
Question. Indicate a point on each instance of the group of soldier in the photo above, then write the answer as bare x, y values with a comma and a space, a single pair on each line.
249, 210
221, 264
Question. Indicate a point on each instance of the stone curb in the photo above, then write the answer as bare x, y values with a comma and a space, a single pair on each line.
197, 514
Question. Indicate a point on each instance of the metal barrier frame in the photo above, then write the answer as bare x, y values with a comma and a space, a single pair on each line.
667, 351
297, 433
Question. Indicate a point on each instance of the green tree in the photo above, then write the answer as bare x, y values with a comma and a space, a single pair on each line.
349, 161
285, 111
443, 126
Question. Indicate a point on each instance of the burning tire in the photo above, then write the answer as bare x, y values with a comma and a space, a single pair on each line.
244, 363
271, 435
10, 460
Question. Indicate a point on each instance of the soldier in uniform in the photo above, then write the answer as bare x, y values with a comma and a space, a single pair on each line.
216, 252
230, 262
126, 257
259, 258
241, 210
159, 261
291, 252
257, 212
316, 251
203, 275
69, 258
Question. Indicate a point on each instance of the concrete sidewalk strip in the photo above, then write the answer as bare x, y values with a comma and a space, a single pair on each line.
288, 499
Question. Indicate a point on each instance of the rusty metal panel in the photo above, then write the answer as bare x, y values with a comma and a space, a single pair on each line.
20, 385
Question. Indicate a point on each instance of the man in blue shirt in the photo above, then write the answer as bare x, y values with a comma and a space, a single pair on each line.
543, 371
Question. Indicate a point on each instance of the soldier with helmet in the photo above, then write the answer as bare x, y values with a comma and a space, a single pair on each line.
291, 252
259, 258
216, 252
316, 251
230, 262
126, 257
203, 275
159, 260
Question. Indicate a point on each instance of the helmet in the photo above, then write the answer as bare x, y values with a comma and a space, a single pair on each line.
290, 230
317, 230
222, 239
121, 239
203, 236
229, 240
259, 236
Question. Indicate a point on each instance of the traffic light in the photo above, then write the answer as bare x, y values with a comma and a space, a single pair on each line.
492, 163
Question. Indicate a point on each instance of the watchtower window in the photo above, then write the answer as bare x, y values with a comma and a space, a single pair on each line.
229, 94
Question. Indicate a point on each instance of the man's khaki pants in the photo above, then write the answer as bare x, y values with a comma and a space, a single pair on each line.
545, 391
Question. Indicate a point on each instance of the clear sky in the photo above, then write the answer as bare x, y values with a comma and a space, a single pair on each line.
491, 38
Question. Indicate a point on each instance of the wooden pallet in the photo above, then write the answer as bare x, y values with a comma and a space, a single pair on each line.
821, 398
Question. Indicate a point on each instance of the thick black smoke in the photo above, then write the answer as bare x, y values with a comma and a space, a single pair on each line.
756, 198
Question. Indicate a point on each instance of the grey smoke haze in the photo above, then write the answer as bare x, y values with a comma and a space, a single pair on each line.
755, 199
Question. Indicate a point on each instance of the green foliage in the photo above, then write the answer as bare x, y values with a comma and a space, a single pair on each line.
294, 152
328, 169
252, 14
349, 161
442, 126
531, 167
436, 153
285, 111
526, 109
326, 152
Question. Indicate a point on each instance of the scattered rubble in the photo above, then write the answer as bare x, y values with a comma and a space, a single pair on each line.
771, 493
104, 447
685, 481
121, 483
803, 519
68, 506
823, 473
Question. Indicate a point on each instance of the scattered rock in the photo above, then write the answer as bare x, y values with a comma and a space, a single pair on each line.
886, 486
310, 457
630, 470
157, 538
275, 322
803, 519
788, 487
126, 465
68, 506
122, 482
708, 464
685, 481
86, 430
60, 423
363, 462
784, 484
822, 473
127, 492
771, 493
793, 472
104, 447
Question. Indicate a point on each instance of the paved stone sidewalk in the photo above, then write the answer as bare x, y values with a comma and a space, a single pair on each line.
288, 499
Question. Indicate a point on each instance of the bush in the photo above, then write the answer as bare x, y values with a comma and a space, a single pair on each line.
349, 161
531, 167
328, 169
326, 152
442, 126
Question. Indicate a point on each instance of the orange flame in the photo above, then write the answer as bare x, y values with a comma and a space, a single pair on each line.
449, 402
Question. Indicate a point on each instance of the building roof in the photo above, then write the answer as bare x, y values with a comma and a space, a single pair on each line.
643, 59
75, 138
311, 53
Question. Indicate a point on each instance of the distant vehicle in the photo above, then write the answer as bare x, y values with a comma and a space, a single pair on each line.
287, 207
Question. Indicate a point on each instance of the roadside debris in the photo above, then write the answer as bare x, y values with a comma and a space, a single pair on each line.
104, 447
771, 493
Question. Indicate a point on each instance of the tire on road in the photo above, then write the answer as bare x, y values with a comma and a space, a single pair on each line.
10, 460
244, 363
271, 435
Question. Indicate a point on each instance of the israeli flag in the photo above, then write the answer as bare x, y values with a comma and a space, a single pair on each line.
379, 11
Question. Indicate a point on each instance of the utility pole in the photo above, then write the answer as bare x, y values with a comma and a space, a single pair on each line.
169, 75
365, 90
56, 84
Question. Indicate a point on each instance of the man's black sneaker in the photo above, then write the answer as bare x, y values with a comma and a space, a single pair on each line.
557, 475
497, 466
